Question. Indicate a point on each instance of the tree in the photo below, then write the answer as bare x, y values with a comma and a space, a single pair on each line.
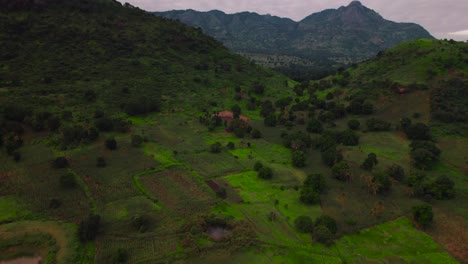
322, 235
270, 120
328, 222
354, 124
331, 156
314, 126
370, 162
236, 111
215, 147
68, 181
265, 173
309, 196
89, 228
298, 159
422, 158
256, 133
122, 256
111, 144
258, 165
396, 172
341, 171
384, 182
374, 124
230, 145
405, 123
418, 131
423, 215
60, 162
348, 138
317, 182
304, 224
443, 188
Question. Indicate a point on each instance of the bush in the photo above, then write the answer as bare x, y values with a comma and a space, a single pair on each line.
348, 138
328, 222
321, 234
122, 256
215, 147
60, 163
256, 133
314, 126
298, 159
309, 196
423, 215
341, 171
354, 124
111, 144
104, 124
331, 156
384, 181
265, 173
68, 181
230, 145
317, 182
89, 228
374, 124
370, 162
304, 224
396, 172
422, 158
258, 165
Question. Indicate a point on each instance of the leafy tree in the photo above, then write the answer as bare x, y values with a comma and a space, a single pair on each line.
322, 235
405, 123
236, 111
122, 256
297, 141
230, 145
418, 131
370, 162
317, 182
354, 124
267, 108
304, 224
341, 171
374, 124
104, 124
258, 165
89, 228
256, 133
265, 173
270, 120
423, 215
60, 162
111, 143
68, 181
348, 138
384, 182
309, 196
422, 158
326, 141
328, 222
298, 159
443, 188
215, 147
331, 156
396, 172
314, 126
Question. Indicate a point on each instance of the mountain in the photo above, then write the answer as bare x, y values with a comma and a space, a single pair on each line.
53, 53
332, 37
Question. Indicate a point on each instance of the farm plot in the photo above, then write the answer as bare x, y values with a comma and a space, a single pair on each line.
211, 165
179, 192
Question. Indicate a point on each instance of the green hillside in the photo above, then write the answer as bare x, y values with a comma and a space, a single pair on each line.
127, 138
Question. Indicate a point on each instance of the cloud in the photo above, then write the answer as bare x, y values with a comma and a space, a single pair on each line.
459, 33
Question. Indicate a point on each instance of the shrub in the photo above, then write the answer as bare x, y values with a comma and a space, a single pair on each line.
314, 126
89, 228
298, 159
341, 171
354, 124
111, 144
418, 131
348, 138
68, 181
321, 234
396, 172
309, 196
304, 224
374, 124
215, 147
60, 162
317, 182
258, 165
331, 156
328, 222
265, 173
122, 256
230, 145
256, 133
384, 181
370, 162
423, 215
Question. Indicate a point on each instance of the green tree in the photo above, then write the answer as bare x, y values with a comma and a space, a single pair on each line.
314, 126
258, 165
341, 171
422, 158
331, 156
418, 131
215, 147
236, 111
68, 181
423, 215
317, 182
354, 124
60, 162
328, 222
298, 159
89, 228
137, 140
384, 182
309, 196
370, 162
396, 172
111, 143
256, 133
321, 234
265, 173
304, 224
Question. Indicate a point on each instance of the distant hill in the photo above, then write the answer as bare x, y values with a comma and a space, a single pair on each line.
83, 55
331, 37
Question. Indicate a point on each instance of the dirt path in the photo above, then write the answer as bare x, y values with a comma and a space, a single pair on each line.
54, 229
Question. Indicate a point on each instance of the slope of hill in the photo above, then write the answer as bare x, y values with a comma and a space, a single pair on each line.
331, 37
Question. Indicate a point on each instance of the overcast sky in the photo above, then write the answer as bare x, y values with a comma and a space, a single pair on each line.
442, 18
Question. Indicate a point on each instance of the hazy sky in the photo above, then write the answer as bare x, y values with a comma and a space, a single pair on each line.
442, 18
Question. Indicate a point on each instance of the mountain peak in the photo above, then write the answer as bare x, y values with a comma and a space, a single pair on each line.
355, 3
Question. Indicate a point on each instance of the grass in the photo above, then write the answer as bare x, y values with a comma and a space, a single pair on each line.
13, 210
